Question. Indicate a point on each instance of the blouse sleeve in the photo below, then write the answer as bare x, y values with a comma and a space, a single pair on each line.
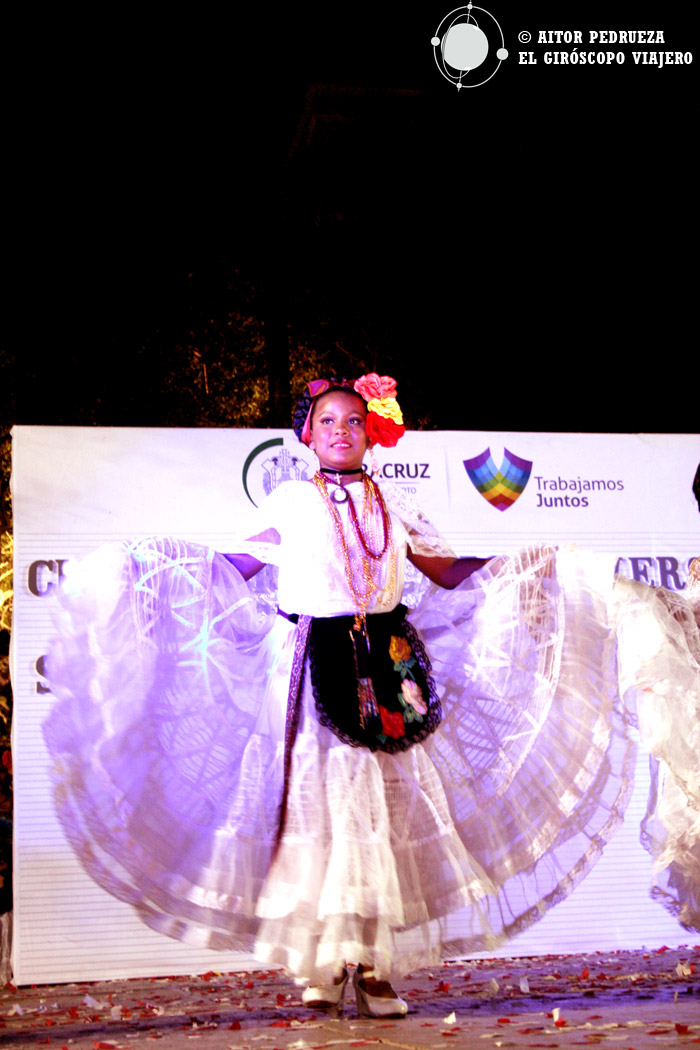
423, 538
260, 535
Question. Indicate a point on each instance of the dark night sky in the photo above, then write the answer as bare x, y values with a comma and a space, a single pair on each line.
522, 242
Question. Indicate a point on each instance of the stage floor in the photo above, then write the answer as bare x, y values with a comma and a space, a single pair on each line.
631, 999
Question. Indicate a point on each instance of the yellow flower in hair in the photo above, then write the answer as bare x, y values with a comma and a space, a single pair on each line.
387, 407
399, 649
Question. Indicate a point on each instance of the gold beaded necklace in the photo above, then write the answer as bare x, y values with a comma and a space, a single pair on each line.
369, 547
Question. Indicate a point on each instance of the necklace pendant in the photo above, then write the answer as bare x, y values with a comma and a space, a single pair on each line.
339, 495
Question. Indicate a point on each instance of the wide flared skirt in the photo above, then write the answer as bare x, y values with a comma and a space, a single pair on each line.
659, 667
171, 676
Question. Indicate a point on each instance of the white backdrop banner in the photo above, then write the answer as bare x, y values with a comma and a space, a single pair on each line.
74, 488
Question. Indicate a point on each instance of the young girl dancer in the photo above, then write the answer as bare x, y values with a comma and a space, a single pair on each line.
329, 781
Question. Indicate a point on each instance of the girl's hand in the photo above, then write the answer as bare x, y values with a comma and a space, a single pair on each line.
446, 572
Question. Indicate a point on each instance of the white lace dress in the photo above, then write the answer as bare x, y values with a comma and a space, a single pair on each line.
172, 674
659, 666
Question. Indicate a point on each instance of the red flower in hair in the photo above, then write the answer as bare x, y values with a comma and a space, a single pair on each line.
383, 431
392, 723
372, 385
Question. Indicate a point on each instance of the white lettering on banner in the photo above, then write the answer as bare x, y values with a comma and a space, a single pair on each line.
662, 58
559, 36
629, 36
576, 57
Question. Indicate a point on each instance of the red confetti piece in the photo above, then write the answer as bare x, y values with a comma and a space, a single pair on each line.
280, 1024
235, 1026
682, 1029
443, 986
560, 1023
504, 1020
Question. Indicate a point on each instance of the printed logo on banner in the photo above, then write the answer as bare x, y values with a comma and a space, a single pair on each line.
271, 463
268, 465
405, 475
501, 488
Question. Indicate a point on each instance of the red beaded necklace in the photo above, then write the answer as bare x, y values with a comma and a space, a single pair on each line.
372, 494
363, 590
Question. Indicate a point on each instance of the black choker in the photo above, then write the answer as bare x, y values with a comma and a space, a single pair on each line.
329, 470
339, 493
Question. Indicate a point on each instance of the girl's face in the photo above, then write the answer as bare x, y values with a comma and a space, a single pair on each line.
338, 434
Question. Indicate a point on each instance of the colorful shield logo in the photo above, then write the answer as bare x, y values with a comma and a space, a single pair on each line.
501, 487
